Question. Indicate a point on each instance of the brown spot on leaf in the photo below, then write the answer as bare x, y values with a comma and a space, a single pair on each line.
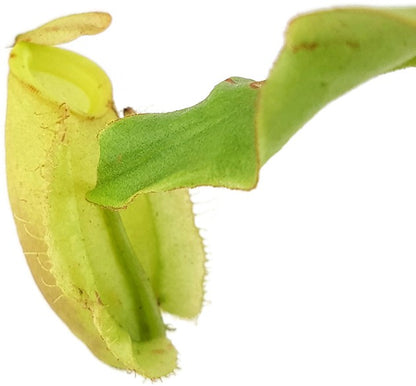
305, 47
64, 113
229, 80
256, 85
158, 351
32, 89
352, 44
98, 298
128, 111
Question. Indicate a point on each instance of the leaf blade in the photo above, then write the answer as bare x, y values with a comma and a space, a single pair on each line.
212, 143
327, 54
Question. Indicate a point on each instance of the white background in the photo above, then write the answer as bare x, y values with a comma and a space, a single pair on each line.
312, 276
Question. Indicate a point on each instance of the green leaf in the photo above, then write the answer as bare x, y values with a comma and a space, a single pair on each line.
325, 55
224, 140
212, 143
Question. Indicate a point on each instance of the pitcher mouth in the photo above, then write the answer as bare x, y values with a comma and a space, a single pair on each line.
62, 76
